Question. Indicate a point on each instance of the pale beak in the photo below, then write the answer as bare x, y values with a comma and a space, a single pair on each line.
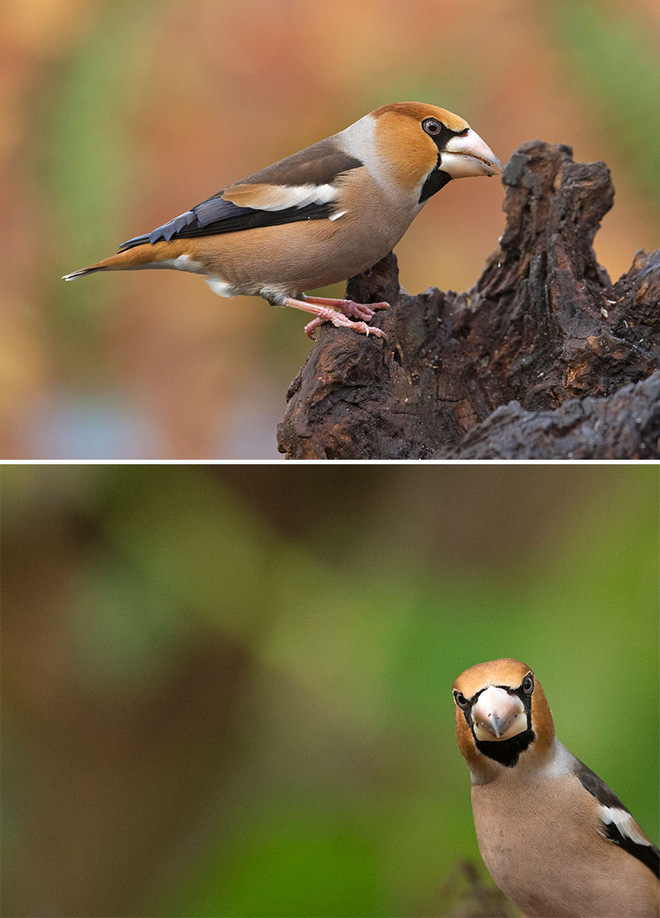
468, 155
498, 715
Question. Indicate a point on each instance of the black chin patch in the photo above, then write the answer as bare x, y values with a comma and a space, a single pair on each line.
506, 752
434, 182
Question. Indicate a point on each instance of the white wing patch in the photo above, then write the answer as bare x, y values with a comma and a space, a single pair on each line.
279, 197
624, 822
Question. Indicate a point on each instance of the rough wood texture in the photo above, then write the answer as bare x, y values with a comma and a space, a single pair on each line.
543, 328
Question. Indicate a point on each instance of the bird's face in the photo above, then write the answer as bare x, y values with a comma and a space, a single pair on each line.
428, 146
500, 712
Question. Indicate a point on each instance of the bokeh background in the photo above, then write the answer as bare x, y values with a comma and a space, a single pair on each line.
117, 115
227, 691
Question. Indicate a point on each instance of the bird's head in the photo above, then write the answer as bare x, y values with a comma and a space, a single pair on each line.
501, 712
425, 147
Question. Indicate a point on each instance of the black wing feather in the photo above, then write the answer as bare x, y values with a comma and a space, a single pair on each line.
647, 854
216, 216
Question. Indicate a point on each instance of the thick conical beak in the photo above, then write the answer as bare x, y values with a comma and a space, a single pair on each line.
498, 715
468, 155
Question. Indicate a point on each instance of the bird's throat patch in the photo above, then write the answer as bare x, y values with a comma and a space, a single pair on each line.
506, 752
434, 182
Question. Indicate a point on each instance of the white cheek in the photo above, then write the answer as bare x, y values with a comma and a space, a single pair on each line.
359, 140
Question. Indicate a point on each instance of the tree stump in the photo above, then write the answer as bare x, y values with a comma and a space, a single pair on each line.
543, 358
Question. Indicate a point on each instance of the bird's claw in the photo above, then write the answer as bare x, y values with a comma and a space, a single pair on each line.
360, 310
340, 320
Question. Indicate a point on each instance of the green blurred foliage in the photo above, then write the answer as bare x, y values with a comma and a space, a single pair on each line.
90, 161
341, 790
616, 62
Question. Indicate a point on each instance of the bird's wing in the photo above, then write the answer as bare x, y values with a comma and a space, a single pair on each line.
618, 824
301, 187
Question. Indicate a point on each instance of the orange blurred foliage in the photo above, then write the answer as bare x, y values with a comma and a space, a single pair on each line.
116, 116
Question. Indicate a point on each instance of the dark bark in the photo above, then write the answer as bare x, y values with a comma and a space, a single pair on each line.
542, 326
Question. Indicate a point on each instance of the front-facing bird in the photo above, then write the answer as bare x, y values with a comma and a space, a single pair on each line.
319, 216
555, 838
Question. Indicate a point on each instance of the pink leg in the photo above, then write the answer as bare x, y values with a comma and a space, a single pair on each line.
348, 307
326, 314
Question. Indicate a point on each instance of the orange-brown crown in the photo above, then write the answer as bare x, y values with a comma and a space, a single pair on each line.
418, 111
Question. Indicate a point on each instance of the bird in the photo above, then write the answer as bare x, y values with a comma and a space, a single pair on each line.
554, 837
319, 216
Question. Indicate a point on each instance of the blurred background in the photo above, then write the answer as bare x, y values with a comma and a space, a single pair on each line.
118, 115
227, 691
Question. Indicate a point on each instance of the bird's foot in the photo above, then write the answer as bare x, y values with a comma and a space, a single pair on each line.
324, 313
350, 308
339, 320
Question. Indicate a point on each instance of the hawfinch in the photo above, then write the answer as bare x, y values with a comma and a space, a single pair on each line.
319, 216
554, 837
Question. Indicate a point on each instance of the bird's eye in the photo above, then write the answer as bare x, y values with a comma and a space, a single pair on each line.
528, 684
431, 126
461, 700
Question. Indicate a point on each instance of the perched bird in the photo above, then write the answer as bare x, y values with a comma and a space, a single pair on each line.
319, 216
555, 838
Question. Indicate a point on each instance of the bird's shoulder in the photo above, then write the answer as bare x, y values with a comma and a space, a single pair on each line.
320, 164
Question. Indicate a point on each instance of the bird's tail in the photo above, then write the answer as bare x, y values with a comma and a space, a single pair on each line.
81, 272
143, 256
